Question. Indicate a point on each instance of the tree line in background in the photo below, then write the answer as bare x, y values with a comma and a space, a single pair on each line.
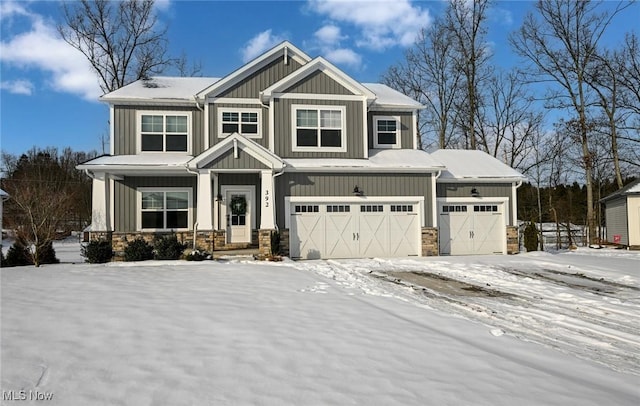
472, 103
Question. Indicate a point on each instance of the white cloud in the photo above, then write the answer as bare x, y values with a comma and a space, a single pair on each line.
329, 34
162, 5
382, 24
258, 44
343, 56
20, 86
42, 48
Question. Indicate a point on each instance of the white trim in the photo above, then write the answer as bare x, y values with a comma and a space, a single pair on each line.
254, 149
317, 96
418, 200
514, 207
214, 193
234, 100
112, 116
163, 189
204, 201
318, 148
164, 114
374, 123
221, 109
365, 125
206, 126
434, 202
363, 169
272, 127
112, 206
147, 102
267, 200
414, 124
510, 180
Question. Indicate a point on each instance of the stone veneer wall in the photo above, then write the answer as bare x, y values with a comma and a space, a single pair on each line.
284, 242
430, 242
513, 245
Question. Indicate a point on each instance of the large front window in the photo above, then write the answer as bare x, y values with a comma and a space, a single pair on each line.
242, 121
320, 128
164, 209
163, 132
386, 132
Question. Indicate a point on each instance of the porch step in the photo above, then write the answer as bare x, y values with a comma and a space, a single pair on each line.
244, 253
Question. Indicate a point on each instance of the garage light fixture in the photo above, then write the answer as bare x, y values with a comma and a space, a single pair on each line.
357, 191
474, 192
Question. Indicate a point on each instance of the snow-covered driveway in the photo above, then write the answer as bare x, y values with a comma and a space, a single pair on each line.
178, 333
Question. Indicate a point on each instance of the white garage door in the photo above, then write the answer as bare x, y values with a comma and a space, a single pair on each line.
472, 228
354, 230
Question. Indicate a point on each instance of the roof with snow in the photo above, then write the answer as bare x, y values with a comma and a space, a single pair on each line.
379, 160
161, 88
387, 96
142, 161
632, 188
463, 164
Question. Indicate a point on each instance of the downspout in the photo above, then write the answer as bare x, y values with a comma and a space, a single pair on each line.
195, 224
284, 166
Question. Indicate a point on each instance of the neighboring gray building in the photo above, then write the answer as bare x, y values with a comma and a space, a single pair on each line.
286, 142
3, 196
622, 215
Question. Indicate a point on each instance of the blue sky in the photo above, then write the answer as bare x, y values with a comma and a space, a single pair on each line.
49, 95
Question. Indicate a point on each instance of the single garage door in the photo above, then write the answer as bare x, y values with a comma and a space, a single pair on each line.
354, 230
472, 228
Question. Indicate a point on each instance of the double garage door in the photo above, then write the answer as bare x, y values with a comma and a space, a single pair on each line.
472, 228
354, 229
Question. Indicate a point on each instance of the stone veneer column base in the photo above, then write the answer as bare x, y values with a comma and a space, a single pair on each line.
284, 242
513, 245
430, 242
265, 237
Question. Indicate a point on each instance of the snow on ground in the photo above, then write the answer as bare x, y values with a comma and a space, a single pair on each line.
323, 332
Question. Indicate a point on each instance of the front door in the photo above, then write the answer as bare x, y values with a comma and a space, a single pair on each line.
237, 205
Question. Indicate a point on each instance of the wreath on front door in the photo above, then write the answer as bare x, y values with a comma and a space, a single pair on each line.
238, 205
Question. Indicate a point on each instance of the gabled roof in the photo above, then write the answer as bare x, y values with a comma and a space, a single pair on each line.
232, 141
317, 64
161, 88
284, 48
632, 188
469, 165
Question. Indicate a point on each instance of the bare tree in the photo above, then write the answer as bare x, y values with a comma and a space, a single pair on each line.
428, 74
121, 39
465, 21
561, 46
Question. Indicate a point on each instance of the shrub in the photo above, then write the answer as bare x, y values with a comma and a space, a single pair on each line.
531, 237
97, 252
168, 247
138, 250
47, 255
18, 255
275, 243
197, 255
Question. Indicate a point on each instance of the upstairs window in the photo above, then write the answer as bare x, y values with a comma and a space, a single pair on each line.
242, 121
386, 132
319, 128
163, 132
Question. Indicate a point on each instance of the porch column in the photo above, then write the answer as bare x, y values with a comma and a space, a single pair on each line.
204, 201
100, 199
267, 201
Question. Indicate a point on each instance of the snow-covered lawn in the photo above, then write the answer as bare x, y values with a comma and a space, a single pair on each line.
326, 332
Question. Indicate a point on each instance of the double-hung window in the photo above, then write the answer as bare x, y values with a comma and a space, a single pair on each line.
164, 209
319, 128
164, 131
386, 132
242, 121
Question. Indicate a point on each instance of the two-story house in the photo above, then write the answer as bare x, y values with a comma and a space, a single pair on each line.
285, 143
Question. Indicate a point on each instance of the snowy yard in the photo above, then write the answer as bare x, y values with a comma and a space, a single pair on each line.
530, 329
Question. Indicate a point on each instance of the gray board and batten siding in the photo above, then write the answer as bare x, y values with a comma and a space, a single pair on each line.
229, 161
214, 136
318, 83
251, 86
125, 197
284, 131
484, 190
617, 219
125, 129
406, 126
341, 185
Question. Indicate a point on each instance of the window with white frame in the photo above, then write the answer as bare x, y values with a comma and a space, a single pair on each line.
242, 121
318, 128
386, 132
164, 131
164, 209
